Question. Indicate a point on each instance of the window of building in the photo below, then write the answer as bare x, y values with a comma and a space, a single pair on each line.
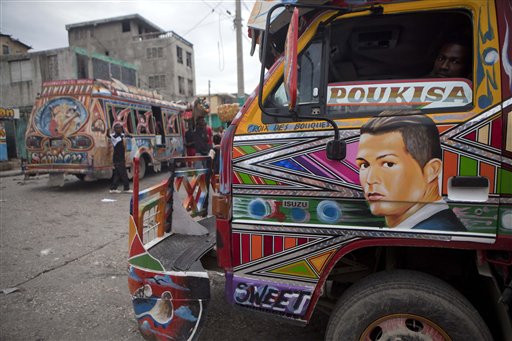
53, 67
156, 82
92, 32
5, 49
21, 70
125, 25
190, 87
81, 66
179, 54
181, 85
154, 52
189, 59
128, 76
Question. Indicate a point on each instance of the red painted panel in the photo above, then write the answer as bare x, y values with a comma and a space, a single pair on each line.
302, 241
278, 244
496, 133
267, 245
246, 248
236, 249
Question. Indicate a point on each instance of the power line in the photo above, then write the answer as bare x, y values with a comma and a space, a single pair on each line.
199, 22
219, 4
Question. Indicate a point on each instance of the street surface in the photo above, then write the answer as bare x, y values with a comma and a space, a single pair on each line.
64, 250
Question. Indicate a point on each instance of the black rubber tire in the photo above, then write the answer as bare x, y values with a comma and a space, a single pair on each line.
405, 292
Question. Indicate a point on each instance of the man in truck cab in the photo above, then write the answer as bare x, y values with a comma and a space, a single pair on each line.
399, 161
453, 59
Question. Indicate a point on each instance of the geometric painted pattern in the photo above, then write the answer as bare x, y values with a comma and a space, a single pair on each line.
319, 262
248, 247
299, 269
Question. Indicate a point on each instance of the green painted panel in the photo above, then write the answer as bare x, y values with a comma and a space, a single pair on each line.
270, 182
468, 167
300, 269
246, 179
505, 180
248, 149
147, 262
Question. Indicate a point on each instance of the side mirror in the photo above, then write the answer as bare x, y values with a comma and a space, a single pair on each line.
336, 150
290, 61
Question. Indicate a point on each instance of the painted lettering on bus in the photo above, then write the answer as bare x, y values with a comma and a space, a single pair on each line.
269, 297
295, 203
448, 93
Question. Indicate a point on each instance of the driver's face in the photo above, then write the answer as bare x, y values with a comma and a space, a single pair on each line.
451, 61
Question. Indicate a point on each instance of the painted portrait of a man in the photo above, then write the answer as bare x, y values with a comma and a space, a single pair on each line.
399, 160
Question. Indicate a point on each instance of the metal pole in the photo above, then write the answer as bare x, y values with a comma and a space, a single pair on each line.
239, 53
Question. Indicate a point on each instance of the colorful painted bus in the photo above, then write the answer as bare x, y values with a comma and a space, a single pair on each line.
369, 178
71, 121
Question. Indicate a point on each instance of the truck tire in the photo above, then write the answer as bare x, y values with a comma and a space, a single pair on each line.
142, 169
404, 305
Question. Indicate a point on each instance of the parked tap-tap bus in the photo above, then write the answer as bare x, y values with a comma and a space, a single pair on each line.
71, 121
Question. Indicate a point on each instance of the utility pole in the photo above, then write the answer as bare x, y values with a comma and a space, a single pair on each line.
239, 53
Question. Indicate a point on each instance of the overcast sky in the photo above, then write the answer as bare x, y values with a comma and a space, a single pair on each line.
205, 23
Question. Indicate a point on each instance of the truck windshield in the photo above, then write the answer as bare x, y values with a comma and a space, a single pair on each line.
420, 61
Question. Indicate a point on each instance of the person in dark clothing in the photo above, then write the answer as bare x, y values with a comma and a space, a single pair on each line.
201, 139
216, 147
119, 160
189, 144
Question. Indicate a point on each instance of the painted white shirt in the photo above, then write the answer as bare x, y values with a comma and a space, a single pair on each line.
423, 213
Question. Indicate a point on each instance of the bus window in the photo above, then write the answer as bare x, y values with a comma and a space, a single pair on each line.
145, 124
414, 61
172, 125
122, 115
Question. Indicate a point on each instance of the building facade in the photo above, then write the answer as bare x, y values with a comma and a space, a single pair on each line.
21, 77
12, 46
164, 60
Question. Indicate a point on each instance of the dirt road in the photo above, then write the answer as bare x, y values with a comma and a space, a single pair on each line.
64, 251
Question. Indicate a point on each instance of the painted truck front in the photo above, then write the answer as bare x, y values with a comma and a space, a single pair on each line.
425, 185
71, 121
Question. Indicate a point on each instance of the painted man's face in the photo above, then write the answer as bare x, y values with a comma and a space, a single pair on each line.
391, 178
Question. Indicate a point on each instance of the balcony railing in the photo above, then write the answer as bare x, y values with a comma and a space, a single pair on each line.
161, 35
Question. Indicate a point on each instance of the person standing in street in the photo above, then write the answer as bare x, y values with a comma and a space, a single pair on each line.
189, 143
119, 160
202, 140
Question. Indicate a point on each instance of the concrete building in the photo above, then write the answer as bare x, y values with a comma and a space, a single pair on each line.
12, 46
164, 60
22, 75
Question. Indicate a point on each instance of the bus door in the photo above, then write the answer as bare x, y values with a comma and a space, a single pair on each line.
159, 127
